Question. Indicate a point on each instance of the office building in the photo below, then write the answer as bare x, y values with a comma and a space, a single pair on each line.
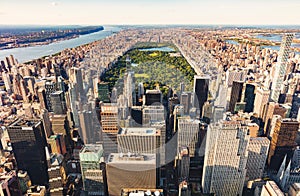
60, 125
152, 114
249, 97
236, 95
9, 184
225, 158
129, 88
88, 131
103, 92
139, 140
28, 142
235, 75
92, 170
257, 156
188, 135
130, 170
110, 127
294, 189
261, 98
50, 87
271, 189
183, 163
57, 144
58, 102
295, 105
46, 122
281, 66
283, 141
57, 174
153, 96
201, 85
271, 109
185, 100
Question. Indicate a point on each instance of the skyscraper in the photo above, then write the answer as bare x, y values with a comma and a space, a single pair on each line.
283, 141
236, 95
249, 97
201, 84
130, 170
281, 66
58, 102
28, 143
225, 160
257, 155
91, 157
261, 98
103, 92
188, 135
110, 127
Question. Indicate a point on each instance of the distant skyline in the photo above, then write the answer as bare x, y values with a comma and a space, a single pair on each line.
123, 12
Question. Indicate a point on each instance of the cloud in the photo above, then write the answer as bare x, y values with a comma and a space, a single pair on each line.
54, 3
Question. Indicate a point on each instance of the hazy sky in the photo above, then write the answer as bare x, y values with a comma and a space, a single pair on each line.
149, 12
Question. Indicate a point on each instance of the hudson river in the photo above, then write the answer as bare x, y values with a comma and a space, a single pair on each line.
29, 53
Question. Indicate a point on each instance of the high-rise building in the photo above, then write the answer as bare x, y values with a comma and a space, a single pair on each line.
75, 77
129, 88
236, 95
46, 122
295, 105
130, 170
185, 100
103, 92
281, 66
294, 189
201, 84
153, 96
89, 133
60, 125
91, 157
28, 143
10, 185
261, 98
139, 140
57, 144
183, 163
235, 75
249, 97
50, 87
58, 102
152, 114
188, 135
283, 141
110, 127
257, 155
226, 156
56, 173
271, 109
271, 189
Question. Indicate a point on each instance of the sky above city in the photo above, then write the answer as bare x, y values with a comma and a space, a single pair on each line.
64, 12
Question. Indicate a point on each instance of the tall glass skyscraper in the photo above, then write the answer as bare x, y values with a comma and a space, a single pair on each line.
281, 66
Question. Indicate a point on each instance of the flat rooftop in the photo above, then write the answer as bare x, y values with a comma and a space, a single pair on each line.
25, 123
129, 158
139, 131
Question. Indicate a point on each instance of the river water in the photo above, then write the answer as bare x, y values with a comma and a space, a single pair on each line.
29, 53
